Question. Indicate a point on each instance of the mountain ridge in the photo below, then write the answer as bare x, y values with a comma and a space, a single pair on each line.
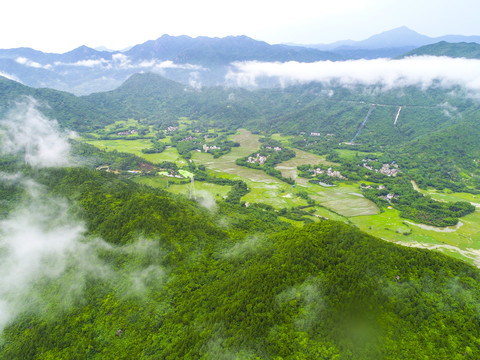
200, 61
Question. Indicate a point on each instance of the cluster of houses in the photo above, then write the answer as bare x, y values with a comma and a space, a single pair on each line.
127, 132
259, 159
390, 169
171, 129
205, 147
387, 169
329, 172
276, 148
387, 197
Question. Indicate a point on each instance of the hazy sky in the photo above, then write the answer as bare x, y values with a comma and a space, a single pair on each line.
62, 25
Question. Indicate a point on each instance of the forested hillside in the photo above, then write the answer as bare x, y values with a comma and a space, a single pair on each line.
173, 280
443, 48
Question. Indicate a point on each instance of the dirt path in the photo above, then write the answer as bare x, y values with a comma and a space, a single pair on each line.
398, 114
437, 229
473, 254
415, 186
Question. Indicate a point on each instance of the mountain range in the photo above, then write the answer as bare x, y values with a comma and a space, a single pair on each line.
401, 37
195, 61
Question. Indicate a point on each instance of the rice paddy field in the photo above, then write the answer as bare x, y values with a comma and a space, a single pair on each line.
343, 202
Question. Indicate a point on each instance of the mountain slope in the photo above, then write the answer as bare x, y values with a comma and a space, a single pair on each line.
69, 110
443, 48
222, 51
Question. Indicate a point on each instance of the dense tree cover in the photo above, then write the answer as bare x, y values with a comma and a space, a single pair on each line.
157, 147
399, 193
70, 111
455, 50
445, 159
238, 283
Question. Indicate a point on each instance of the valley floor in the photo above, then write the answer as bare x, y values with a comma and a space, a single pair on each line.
343, 202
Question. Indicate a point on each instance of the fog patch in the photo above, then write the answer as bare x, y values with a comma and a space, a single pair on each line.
207, 200
309, 296
10, 77
448, 109
36, 241
422, 71
249, 246
25, 130
46, 260
30, 63
144, 274
194, 80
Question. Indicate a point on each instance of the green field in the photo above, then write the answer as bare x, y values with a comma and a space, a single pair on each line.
464, 242
344, 199
343, 202
352, 154
128, 146
136, 146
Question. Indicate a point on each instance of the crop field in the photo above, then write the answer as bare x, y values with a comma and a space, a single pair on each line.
169, 154
226, 164
128, 146
135, 147
351, 154
344, 199
278, 196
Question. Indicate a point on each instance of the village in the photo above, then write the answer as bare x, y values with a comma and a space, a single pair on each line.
386, 169
329, 172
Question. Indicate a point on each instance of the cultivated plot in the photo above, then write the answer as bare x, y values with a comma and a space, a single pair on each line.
344, 199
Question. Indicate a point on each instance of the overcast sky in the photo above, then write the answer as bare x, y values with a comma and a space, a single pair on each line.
62, 25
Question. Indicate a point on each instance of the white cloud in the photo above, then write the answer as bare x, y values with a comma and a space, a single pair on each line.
87, 63
25, 130
121, 60
36, 240
168, 64
46, 259
10, 76
424, 71
30, 63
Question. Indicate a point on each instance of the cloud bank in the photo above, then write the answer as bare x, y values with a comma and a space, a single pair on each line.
423, 71
25, 130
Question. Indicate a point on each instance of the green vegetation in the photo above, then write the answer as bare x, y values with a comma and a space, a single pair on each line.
443, 48
265, 255
304, 292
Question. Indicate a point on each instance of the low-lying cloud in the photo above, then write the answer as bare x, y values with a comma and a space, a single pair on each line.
25, 130
118, 62
423, 71
31, 63
10, 76
46, 258
36, 240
